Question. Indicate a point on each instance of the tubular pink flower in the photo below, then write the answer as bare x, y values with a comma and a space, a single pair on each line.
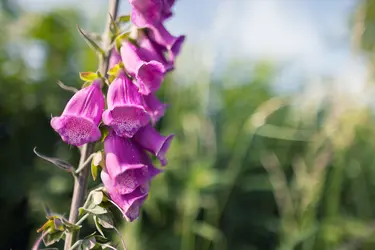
149, 74
146, 13
161, 35
127, 174
125, 113
152, 51
151, 140
154, 107
78, 124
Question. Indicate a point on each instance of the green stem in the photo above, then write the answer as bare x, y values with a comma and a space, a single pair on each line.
80, 182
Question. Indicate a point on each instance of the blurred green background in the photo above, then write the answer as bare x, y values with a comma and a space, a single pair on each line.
274, 122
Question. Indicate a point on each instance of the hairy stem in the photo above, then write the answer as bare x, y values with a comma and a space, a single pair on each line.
80, 182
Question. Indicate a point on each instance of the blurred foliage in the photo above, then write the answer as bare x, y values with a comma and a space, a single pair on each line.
248, 169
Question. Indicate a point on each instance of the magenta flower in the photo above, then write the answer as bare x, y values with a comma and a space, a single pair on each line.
151, 140
127, 174
125, 113
149, 74
151, 51
161, 35
146, 13
78, 124
114, 59
154, 107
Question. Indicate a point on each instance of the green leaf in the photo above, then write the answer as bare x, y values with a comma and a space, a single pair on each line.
120, 38
94, 170
97, 161
52, 238
124, 19
90, 41
88, 76
106, 220
97, 197
115, 69
97, 225
58, 224
66, 166
104, 131
88, 243
95, 210
70, 227
101, 239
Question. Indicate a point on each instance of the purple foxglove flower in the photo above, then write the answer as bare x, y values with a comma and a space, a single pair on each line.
152, 51
149, 74
125, 113
146, 12
127, 174
166, 11
151, 140
114, 59
161, 35
78, 124
154, 107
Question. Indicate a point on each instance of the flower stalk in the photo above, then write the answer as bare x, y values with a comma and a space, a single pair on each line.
80, 182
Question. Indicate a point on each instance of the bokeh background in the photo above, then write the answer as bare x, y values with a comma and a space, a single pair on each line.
272, 104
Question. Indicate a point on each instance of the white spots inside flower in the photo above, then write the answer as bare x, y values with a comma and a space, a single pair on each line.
77, 130
131, 179
126, 122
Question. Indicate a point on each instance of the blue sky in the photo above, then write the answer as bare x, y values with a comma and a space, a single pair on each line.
311, 37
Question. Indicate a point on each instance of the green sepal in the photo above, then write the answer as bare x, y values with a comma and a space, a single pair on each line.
64, 165
88, 76
104, 131
97, 161
105, 220
120, 38
123, 19
52, 238
90, 40
115, 69
98, 226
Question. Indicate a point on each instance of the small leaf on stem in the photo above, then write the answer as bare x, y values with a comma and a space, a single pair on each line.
66, 166
90, 41
105, 220
88, 76
124, 19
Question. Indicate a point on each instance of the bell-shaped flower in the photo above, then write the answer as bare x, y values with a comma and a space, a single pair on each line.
125, 113
161, 35
151, 51
78, 124
154, 107
149, 74
127, 174
146, 12
151, 140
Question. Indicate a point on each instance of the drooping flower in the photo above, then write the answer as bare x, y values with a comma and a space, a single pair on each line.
162, 36
127, 174
78, 124
125, 113
154, 107
151, 140
149, 74
151, 51
146, 13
